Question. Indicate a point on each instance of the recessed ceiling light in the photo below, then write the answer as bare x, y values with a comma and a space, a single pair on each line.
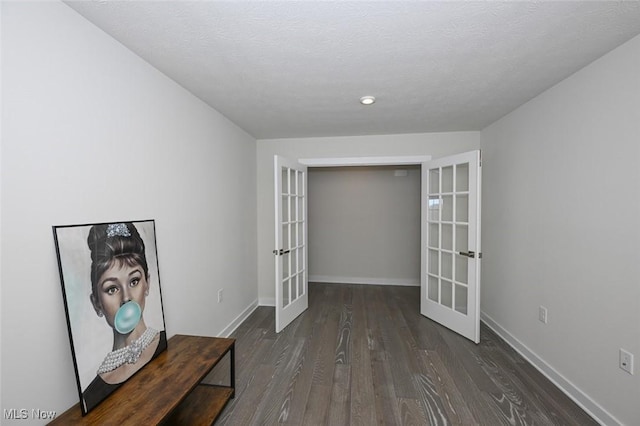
367, 100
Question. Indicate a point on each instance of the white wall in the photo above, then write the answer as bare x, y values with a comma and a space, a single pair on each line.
364, 225
434, 144
92, 133
561, 227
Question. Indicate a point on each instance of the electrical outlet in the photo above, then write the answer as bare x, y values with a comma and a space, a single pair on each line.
542, 314
626, 361
219, 295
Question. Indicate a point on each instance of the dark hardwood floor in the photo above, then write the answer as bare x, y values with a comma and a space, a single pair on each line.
363, 355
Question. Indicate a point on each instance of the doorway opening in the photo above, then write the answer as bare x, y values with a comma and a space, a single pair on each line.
364, 225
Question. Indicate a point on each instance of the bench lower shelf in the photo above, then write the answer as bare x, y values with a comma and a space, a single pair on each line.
201, 407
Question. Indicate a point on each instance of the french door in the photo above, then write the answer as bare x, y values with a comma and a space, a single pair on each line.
290, 253
450, 270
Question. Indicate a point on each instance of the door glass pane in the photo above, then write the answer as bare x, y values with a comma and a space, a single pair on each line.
285, 209
301, 183
300, 208
285, 266
300, 285
294, 209
434, 235
294, 235
461, 299
434, 261
285, 180
285, 237
434, 208
432, 288
285, 293
447, 236
434, 181
295, 182
462, 269
301, 260
462, 177
462, 238
446, 298
294, 287
447, 208
462, 208
447, 265
447, 179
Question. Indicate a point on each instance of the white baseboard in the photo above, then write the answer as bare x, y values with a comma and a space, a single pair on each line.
599, 414
330, 279
267, 301
226, 332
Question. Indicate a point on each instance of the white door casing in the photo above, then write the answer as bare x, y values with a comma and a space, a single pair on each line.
291, 278
450, 243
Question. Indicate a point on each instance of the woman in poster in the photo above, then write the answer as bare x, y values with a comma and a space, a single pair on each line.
119, 287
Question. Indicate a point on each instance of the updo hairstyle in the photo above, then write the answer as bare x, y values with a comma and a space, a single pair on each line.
115, 242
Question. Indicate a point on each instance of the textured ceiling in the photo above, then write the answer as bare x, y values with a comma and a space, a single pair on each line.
298, 68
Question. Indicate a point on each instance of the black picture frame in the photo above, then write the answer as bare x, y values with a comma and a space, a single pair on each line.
102, 272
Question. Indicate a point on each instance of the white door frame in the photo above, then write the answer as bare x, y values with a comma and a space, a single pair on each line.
365, 161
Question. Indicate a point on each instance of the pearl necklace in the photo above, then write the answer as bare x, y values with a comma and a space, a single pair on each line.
128, 354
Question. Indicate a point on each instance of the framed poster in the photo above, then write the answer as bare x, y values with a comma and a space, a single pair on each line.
111, 290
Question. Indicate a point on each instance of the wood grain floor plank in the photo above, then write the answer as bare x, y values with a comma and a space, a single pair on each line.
322, 369
340, 405
452, 399
396, 349
430, 400
294, 387
272, 408
362, 393
411, 413
343, 345
404, 356
386, 402
424, 331
301, 382
474, 393
463, 352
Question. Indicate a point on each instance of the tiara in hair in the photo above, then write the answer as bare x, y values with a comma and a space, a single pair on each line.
118, 230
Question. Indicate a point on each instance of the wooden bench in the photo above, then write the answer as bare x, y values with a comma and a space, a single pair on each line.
168, 390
